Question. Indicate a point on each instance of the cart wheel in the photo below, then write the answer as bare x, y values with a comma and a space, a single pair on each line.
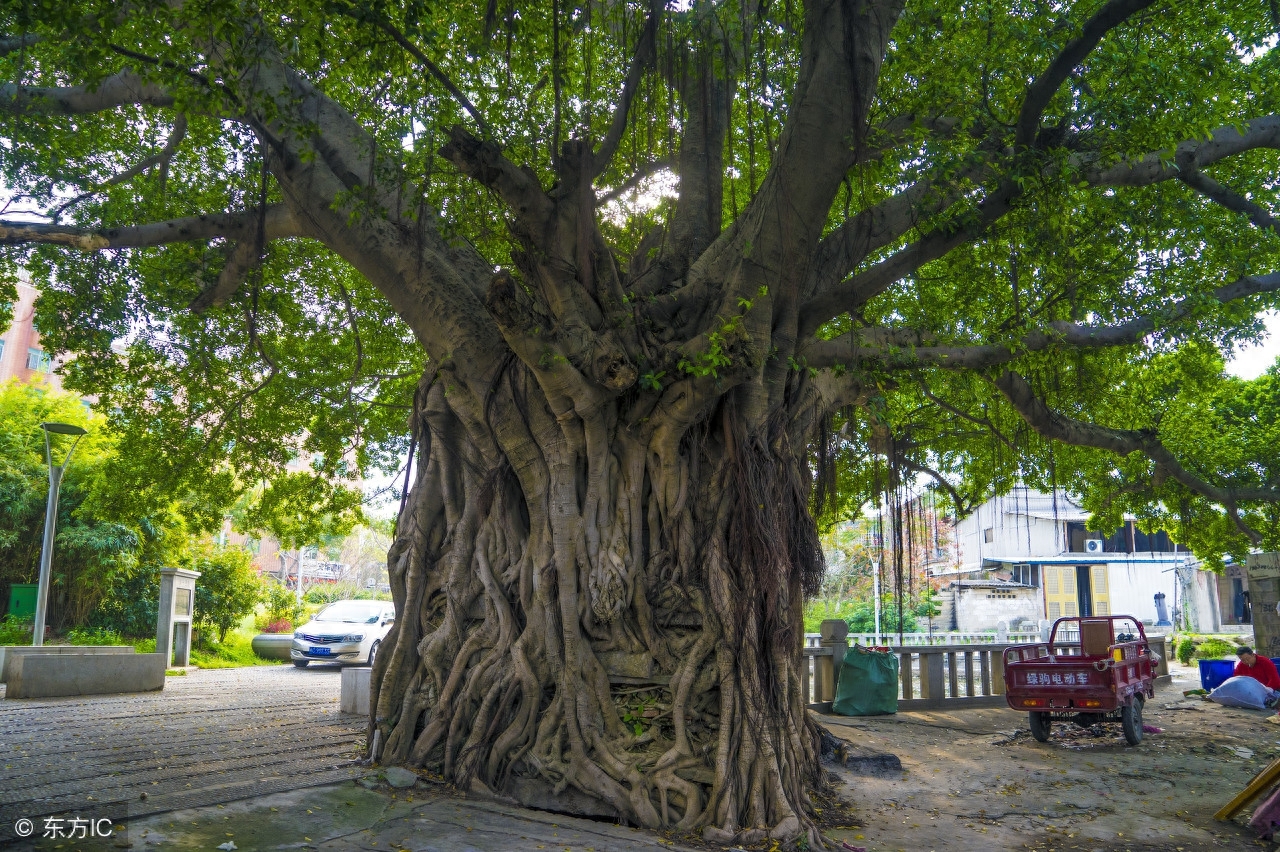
1131, 721
1040, 725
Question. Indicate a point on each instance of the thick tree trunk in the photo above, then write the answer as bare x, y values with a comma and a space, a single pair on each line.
600, 612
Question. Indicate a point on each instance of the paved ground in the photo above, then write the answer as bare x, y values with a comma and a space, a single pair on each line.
976, 780
209, 737
342, 817
221, 755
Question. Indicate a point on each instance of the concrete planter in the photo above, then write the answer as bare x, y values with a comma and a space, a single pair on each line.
51, 675
8, 653
273, 646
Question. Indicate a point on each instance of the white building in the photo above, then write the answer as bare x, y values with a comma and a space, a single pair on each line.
1038, 545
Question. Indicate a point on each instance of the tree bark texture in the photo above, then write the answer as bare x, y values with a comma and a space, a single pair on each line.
596, 602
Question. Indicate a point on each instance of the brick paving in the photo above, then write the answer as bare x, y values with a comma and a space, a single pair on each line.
210, 737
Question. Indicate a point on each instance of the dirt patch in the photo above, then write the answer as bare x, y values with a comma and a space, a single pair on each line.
977, 780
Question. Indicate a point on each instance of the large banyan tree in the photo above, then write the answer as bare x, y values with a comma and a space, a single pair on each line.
654, 284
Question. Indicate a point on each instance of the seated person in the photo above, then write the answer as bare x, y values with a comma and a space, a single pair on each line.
1260, 669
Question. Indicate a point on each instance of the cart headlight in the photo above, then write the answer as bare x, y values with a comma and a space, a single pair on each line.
353, 637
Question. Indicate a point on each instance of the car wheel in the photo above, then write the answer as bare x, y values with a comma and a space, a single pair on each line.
302, 664
373, 652
1040, 725
1131, 721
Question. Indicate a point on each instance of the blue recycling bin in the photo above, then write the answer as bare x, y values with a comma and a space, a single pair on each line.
1214, 672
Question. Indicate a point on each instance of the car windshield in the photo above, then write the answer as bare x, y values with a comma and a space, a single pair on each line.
351, 612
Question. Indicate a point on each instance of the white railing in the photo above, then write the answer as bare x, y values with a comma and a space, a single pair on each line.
811, 640
932, 676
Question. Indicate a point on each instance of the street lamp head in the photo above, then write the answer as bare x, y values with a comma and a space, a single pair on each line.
62, 429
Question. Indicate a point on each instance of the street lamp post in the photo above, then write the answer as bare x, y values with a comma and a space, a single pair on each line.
51, 519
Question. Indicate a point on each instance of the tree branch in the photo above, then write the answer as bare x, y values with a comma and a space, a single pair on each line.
1261, 132
280, 223
1056, 426
1039, 93
12, 44
1191, 155
963, 507
1228, 198
851, 347
878, 226
641, 61
485, 162
858, 289
160, 158
244, 258
984, 422
434, 70
632, 182
122, 89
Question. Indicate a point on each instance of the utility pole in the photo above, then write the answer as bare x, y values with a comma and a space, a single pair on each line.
51, 521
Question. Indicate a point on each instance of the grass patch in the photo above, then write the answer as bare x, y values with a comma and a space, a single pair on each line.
94, 636
235, 652
175, 672
15, 631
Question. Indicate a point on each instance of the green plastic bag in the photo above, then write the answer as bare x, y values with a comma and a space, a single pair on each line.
868, 683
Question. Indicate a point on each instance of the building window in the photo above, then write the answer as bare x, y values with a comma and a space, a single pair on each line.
989, 535
1027, 575
1, 348
1156, 542
1078, 535
39, 361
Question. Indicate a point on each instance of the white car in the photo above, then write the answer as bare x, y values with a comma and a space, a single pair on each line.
346, 632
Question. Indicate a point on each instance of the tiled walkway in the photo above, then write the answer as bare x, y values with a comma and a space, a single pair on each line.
209, 737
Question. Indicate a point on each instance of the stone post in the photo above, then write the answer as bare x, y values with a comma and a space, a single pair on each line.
173, 619
834, 634
1263, 570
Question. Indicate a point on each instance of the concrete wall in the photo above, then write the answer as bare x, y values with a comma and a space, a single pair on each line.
1264, 588
1199, 596
1226, 595
1133, 586
8, 653
981, 608
1012, 535
52, 675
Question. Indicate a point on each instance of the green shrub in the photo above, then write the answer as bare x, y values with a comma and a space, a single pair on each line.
130, 609
95, 636
1213, 649
15, 631
228, 589
1185, 648
282, 605
327, 593
860, 615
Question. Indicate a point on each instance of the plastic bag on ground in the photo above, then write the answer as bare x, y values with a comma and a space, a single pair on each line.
867, 684
1241, 691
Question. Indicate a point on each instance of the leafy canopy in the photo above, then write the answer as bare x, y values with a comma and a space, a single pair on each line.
308, 357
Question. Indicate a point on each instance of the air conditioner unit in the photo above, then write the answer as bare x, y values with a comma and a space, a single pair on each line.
1093, 545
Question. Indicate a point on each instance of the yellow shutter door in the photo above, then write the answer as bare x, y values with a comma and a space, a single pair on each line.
1101, 594
1059, 591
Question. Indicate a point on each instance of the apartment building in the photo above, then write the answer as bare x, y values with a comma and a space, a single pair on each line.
1032, 554
21, 354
